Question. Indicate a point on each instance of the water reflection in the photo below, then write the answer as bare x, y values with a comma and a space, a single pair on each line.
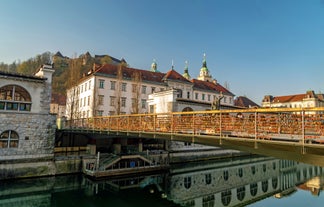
233, 182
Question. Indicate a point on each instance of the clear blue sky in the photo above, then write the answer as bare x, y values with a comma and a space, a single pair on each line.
258, 47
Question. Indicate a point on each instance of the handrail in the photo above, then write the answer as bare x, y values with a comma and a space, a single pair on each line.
295, 124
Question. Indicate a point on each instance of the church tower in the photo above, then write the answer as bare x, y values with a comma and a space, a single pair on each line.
154, 66
204, 72
186, 73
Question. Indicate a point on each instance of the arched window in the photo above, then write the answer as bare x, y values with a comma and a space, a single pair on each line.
14, 97
253, 189
187, 182
187, 109
9, 139
240, 193
225, 174
240, 172
208, 178
226, 197
264, 186
274, 183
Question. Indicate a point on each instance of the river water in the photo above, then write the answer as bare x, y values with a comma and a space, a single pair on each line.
245, 181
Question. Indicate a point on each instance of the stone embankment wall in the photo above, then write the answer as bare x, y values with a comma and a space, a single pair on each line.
39, 168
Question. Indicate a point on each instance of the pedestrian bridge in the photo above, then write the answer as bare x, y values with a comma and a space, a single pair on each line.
288, 133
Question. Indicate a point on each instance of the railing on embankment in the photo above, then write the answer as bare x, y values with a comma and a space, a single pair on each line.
285, 124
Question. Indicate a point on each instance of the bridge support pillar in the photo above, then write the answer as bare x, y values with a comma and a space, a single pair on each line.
256, 145
140, 146
116, 148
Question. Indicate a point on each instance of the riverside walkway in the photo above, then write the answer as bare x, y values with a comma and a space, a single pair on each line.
288, 133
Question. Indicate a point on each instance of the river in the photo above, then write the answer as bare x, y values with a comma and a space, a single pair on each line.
244, 181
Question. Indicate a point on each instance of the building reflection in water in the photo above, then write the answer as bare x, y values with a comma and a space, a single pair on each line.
231, 182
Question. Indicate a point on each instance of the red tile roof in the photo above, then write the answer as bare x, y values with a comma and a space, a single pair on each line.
205, 85
174, 75
289, 98
129, 72
297, 97
244, 102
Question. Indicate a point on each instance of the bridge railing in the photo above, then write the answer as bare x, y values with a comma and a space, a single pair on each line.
292, 124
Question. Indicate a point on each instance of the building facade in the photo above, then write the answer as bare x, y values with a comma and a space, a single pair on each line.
306, 100
27, 129
117, 89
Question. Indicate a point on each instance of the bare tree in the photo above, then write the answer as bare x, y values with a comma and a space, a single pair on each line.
118, 89
136, 91
73, 92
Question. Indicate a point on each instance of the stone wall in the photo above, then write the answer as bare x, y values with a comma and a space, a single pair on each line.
36, 135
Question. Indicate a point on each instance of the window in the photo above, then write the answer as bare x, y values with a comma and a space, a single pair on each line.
14, 97
203, 97
99, 113
264, 186
225, 99
226, 197
85, 86
88, 100
112, 85
225, 173
208, 178
179, 95
143, 89
9, 139
240, 172
275, 182
209, 201
188, 95
187, 182
253, 189
143, 101
208, 97
112, 100
100, 99
101, 83
81, 88
124, 87
89, 84
240, 193
196, 96
123, 101
253, 169
153, 90
85, 100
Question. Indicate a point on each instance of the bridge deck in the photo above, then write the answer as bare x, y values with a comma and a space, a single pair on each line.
286, 130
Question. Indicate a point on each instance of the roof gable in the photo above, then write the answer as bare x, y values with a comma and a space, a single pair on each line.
206, 85
174, 75
244, 102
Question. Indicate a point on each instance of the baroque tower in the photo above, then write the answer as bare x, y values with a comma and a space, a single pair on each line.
204, 72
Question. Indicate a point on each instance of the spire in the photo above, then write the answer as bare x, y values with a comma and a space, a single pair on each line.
186, 73
204, 61
172, 67
154, 66
204, 72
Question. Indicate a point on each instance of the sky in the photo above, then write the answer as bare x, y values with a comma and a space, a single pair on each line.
256, 47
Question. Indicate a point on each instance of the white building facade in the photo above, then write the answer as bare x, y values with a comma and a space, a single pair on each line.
116, 89
306, 100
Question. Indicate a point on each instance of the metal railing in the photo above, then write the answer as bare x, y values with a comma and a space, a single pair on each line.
289, 124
